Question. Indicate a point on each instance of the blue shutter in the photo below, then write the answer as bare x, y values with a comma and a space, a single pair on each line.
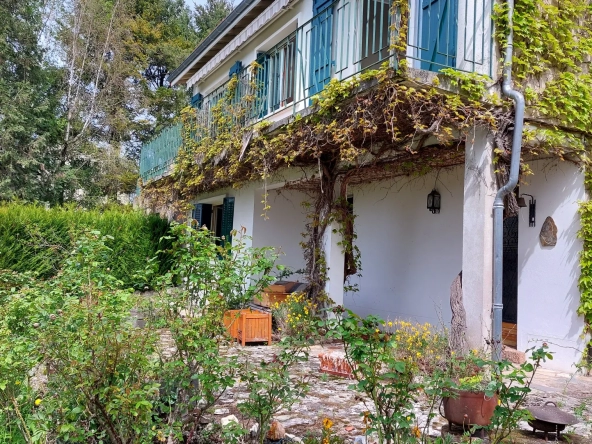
197, 100
236, 68
202, 213
227, 218
321, 45
439, 29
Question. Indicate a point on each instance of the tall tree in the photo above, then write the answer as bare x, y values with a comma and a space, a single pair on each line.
209, 15
81, 82
161, 36
29, 98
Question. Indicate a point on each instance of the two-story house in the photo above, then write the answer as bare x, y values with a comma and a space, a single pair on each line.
290, 50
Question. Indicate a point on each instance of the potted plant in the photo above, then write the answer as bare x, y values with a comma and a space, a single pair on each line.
470, 402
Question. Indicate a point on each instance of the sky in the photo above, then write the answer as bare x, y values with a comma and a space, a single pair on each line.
192, 3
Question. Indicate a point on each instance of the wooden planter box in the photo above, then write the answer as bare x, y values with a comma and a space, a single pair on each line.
277, 292
248, 325
269, 299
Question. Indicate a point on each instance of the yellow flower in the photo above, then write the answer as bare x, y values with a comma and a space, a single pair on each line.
38, 402
390, 324
377, 331
327, 423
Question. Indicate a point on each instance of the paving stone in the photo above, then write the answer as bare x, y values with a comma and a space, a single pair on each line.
331, 397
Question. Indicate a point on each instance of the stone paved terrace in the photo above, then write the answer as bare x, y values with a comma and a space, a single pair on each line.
331, 397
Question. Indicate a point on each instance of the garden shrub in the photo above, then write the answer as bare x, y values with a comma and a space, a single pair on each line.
73, 366
397, 362
35, 239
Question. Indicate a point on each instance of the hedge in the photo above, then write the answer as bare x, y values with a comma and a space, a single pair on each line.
36, 239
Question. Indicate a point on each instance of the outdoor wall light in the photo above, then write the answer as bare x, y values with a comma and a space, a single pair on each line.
531, 208
434, 202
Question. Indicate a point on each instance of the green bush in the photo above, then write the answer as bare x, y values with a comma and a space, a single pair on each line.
73, 365
35, 239
78, 366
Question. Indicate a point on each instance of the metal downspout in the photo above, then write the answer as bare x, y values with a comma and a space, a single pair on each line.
498, 204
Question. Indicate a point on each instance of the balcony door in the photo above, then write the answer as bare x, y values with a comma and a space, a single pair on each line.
438, 35
375, 32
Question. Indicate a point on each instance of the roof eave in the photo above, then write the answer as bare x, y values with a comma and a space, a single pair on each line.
179, 73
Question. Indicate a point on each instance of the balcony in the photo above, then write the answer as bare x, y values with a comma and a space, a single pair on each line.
342, 39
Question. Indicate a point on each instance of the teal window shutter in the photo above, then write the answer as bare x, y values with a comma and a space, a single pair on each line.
321, 45
227, 218
236, 68
196, 101
202, 213
439, 29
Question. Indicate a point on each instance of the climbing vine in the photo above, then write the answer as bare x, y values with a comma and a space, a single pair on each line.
552, 54
380, 124
585, 281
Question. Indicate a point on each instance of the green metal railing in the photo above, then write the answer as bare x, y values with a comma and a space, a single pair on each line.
160, 153
344, 39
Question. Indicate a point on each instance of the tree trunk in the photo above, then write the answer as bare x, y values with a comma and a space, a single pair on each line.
458, 330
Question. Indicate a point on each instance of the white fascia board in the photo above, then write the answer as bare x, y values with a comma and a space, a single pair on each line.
273, 11
198, 58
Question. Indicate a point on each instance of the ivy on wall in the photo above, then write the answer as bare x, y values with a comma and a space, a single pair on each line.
552, 55
585, 281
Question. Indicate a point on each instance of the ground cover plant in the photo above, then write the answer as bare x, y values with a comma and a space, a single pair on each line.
77, 364
73, 366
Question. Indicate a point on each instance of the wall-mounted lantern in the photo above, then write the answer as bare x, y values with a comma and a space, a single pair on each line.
434, 202
531, 208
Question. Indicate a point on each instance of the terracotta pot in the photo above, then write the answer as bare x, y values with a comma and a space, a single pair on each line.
469, 408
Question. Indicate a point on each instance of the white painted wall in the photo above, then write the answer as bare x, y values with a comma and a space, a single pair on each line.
409, 255
298, 14
283, 228
548, 294
480, 189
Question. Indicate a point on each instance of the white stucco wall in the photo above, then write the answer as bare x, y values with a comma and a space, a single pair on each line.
548, 294
267, 38
409, 255
283, 227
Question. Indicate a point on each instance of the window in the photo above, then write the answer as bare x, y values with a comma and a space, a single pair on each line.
376, 32
217, 218
275, 78
281, 74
